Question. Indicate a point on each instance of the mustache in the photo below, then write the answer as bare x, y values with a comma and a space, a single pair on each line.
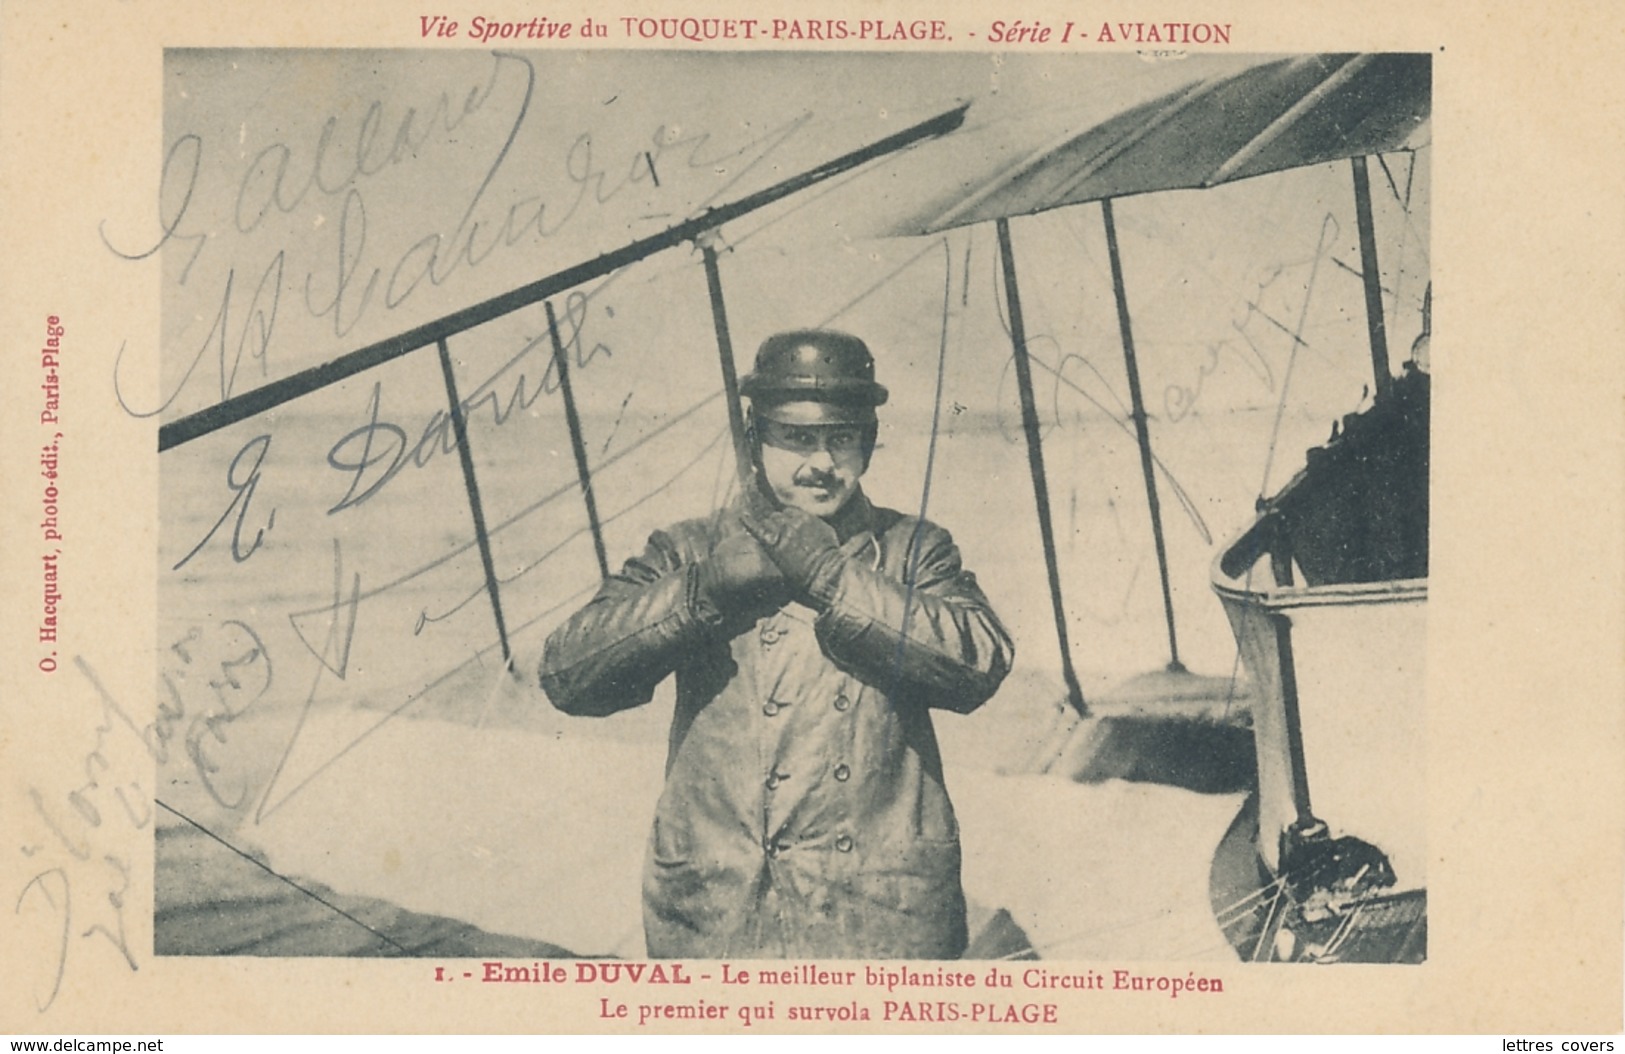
815, 477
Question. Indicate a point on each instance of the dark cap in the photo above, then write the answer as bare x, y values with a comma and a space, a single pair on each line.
814, 376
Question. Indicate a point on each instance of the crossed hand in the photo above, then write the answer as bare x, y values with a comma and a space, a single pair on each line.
785, 553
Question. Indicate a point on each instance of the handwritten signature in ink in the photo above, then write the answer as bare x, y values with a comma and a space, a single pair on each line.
343, 275
84, 893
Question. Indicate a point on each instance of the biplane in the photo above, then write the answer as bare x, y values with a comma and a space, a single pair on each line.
449, 487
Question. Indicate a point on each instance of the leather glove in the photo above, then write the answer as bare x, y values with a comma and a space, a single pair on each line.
803, 547
738, 579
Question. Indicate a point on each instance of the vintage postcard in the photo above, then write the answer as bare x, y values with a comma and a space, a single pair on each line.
864, 518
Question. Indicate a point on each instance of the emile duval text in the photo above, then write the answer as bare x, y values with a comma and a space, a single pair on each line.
844, 993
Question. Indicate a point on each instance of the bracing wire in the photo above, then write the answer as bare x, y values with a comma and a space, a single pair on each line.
1328, 229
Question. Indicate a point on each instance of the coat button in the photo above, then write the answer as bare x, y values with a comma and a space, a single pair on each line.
776, 778
842, 773
844, 843
842, 703
770, 636
770, 708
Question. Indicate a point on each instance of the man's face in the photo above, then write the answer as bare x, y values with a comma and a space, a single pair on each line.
814, 468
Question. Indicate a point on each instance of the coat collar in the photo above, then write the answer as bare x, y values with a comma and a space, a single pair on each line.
855, 529
855, 518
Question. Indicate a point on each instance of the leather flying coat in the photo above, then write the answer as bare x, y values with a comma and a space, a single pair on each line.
804, 811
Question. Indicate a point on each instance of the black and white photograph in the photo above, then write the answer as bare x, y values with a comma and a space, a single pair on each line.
788, 506
865, 518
